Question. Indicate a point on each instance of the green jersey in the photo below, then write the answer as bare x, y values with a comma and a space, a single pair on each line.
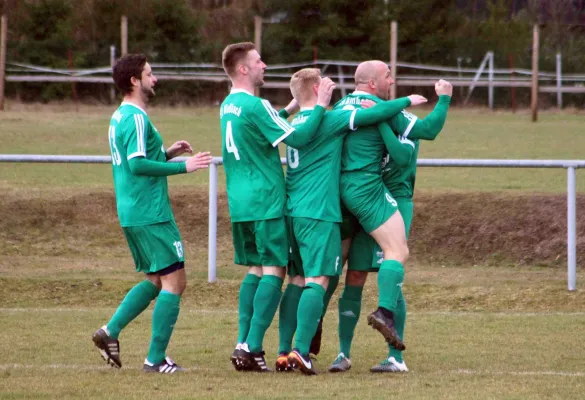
400, 180
251, 131
140, 199
312, 176
361, 151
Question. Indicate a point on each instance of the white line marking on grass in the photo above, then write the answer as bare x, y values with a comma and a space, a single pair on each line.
457, 371
235, 311
74, 367
518, 373
99, 309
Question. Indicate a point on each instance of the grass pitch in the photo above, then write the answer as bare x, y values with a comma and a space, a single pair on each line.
474, 331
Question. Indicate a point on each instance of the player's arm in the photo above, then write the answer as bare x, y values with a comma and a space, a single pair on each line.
400, 150
290, 109
304, 133
429, 127
143, 166
383, 111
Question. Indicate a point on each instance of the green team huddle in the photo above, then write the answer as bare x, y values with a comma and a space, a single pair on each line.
346, 197
349, 172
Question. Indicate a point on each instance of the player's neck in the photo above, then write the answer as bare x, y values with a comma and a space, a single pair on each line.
365, 88
243, 84
135, 99
308, 104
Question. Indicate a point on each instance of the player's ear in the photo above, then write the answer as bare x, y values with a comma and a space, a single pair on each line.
243, 69
134, 81
316, 89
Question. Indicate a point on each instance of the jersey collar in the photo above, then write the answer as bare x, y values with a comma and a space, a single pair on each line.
361, 93
234, 91
127, 103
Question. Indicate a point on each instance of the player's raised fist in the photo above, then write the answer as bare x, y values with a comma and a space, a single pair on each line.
416, 99
443, 87
198, 161
325, 92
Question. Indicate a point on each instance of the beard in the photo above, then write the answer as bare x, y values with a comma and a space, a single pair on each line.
147, 92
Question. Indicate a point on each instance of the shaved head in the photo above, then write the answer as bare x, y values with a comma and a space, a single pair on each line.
374, 77
369, 70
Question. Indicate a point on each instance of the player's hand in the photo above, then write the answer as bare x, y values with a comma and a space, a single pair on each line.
443, 87
368, 103
292, 107
181, 147
416, 99
325, 92
198, 161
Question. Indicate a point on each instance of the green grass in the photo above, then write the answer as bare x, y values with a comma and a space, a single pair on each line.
454, 356
473, 332
467, 134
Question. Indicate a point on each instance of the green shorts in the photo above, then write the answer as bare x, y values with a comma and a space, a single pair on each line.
261, 243
366, 197
364, 253
315, 247
155, 247
349, 225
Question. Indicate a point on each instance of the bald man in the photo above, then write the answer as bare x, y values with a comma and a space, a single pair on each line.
374, 231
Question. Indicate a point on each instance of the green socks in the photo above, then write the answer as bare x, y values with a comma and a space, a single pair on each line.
399, 321
136, 301
265, 304
390, 279
350, 306
287, 317
246, 305
333, 282
308, 315
164, 316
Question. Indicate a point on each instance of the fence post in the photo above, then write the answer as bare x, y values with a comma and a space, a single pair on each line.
258, 42
124, 34
559, 82
393, 57
112, 62
212, 239
3, 34
571, 230
491, 81
534, 95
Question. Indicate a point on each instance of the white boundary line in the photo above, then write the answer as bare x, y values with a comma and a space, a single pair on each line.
228, 311
568, 374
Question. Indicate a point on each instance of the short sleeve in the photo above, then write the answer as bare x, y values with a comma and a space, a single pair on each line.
274, 128
135, 136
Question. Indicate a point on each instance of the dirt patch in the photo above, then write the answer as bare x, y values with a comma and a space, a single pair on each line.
473, 228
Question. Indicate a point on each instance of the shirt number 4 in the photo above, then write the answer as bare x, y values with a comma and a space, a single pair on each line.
230, 145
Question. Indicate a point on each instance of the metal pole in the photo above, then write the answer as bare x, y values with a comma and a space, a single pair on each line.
112, 62
491, 81
342, 80
571, 230
534, 93
212, 239
559, 83
3, 34
393, 57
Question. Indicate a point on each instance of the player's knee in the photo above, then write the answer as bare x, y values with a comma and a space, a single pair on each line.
356, 278
397, 252
296, 280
